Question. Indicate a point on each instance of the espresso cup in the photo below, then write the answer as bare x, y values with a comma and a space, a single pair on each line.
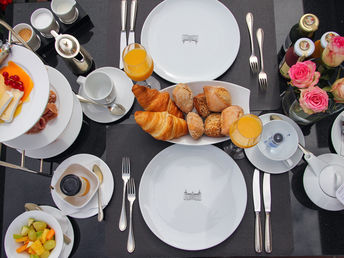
98, 86
44, 21
26, 32
279, 141
65, 10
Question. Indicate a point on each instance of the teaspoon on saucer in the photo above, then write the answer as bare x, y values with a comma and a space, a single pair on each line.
114, 108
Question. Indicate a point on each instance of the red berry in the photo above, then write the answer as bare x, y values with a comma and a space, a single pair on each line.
20, 87
7, 82
13, 84
16, 77
5, 74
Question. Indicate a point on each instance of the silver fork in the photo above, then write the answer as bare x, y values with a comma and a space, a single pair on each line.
262, 77
253, 60
131, 199
125, 176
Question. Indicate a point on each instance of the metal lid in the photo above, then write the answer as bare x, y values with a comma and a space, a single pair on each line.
70, 185
325, 38
309, 22
67, 46
304, 47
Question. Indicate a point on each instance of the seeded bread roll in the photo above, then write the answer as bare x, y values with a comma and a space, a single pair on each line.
212, 125
218, 98
195, 125
228, 116
182, 96
200, 104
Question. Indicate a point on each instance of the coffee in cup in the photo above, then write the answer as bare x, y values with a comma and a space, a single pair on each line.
26, 32
279, 141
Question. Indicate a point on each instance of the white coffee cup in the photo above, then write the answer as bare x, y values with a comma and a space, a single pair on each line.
279, 141
27, 33
65, 10
98, 86
44, 21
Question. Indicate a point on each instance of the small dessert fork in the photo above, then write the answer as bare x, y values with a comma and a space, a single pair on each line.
262, 77
131, 199
253, 60
125, 177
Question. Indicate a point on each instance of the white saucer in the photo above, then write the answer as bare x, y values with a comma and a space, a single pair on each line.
261, 162
124, 96
313, 189
65, 140
54, 128
66, 226
107, 187
336, 133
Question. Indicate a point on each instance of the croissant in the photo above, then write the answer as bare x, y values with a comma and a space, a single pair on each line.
154, 100
161, 125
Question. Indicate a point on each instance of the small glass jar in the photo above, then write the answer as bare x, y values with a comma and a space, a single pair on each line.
72, 185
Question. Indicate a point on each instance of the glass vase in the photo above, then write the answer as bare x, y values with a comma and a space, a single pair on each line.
292, 108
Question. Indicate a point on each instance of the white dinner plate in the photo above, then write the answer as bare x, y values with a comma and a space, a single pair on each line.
65, 140
191, 40
191, 197
240, 97
64, 103
336, 135
313, 188
34, 107
106, 188
67, 228
124, 96
257, 158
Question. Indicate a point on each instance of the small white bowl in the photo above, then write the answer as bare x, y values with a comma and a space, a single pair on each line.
77, 202
15, 227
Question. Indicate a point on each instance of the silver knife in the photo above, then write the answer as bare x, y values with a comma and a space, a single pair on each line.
342, 136
123, 42
267, 206
133, 8
256, 201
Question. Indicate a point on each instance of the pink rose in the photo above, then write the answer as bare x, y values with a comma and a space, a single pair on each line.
336, 45
303, 74
337, 90
313, 100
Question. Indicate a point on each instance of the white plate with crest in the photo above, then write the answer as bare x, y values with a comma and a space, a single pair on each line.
192, 197
191, 40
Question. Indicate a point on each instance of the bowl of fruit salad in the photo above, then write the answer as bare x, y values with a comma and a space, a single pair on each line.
34, 234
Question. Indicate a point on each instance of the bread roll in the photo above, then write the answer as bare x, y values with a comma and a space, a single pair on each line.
217, 97
228, 116
195, 125
154, 100
200, 105
212, 125
161, 125
182, 95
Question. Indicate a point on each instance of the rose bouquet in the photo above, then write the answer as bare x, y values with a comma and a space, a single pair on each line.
316, 86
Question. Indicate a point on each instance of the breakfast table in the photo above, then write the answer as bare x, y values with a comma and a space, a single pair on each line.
299, 227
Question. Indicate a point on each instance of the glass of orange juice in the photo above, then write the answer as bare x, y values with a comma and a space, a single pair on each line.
138, 65
244, 133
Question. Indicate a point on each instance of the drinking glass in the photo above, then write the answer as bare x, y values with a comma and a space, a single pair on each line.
138, 65
244, 133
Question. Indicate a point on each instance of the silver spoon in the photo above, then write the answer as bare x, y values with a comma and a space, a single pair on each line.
32, 206
96, 170
115, 108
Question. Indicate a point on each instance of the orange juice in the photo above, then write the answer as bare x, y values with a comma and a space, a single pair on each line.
138, 64
246, 131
